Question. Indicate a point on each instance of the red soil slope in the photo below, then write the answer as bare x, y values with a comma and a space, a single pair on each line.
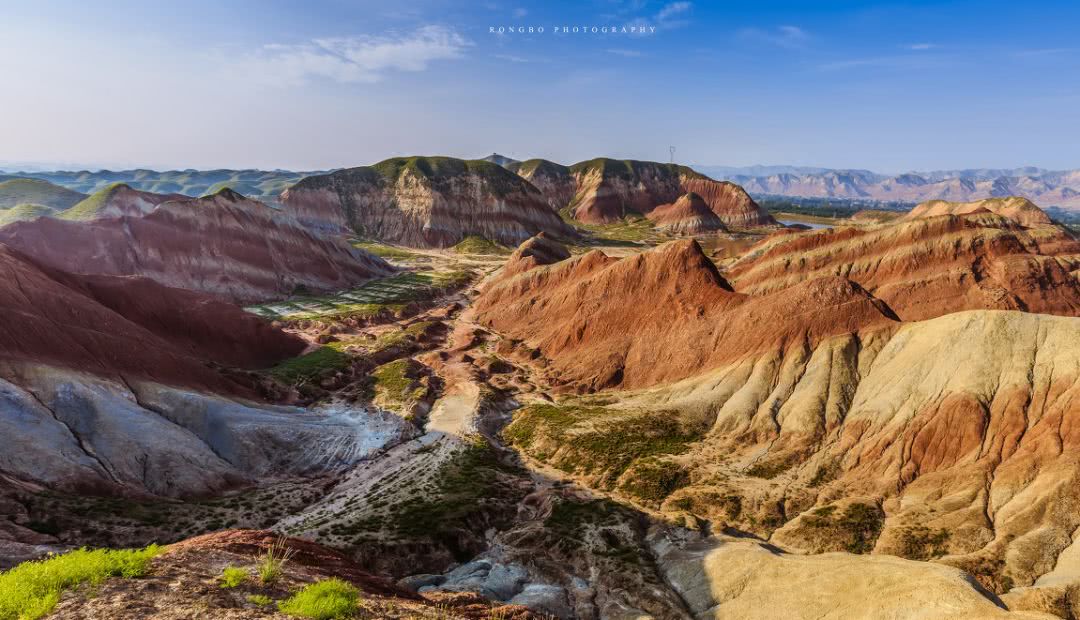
128, 326
689, 215
661, 316
224, 244
926, 267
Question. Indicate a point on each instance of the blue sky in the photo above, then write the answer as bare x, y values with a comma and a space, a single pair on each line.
306, 85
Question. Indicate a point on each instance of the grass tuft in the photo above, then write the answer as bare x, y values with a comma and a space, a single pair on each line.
330, 599
274, 560
32, 589
232, 577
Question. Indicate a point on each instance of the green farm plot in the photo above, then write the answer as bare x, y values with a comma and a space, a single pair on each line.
372, 298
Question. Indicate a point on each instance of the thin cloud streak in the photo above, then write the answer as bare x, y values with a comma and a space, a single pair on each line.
670, 16
350, 60
785, 36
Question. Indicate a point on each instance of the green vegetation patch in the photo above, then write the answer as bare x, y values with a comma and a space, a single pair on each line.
441, 171
382, 250
32, 589
396, 383
652, 479
468, 486
630, 230
329, 599
479, 245
857, 528
598, 440
631, 169
23, 212
771, 468
90, 207
312, 366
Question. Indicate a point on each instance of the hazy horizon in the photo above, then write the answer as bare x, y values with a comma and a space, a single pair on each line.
844, 85
44, 167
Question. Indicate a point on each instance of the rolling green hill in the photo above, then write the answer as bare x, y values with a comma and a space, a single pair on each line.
25, 211
36, 192
88, 208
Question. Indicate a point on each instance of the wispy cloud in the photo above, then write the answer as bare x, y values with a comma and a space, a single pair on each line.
670, 16
920, 47
359, 59
786, 36
625, 52
906, 61
673, 9
520, 12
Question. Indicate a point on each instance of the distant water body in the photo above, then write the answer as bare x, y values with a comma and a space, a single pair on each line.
810, 224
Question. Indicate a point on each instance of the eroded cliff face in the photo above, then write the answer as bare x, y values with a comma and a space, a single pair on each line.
554, 181
425, 202
576, 313
608, 190
226, 245
927, 266
901, 442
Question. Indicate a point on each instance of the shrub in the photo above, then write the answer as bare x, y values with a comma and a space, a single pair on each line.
329, 599
922, 543
651, 479
771, 469
31, 589
857, 528
274, 560
232, 576
825, 474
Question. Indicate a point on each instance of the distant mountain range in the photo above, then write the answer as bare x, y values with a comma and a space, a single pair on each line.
264, 185
1047, 188
1056, 190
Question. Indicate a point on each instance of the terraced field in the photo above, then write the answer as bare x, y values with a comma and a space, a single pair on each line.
391, 293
